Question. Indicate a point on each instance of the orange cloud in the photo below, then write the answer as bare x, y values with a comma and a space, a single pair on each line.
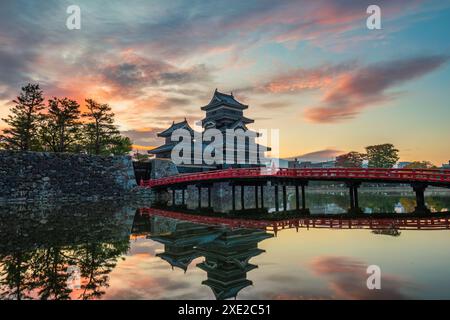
347, 278
367, 86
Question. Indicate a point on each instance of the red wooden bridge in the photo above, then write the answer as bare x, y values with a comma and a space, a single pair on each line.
419, 179
437, 177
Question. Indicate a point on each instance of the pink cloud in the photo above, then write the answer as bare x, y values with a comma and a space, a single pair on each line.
368, 86
347, 279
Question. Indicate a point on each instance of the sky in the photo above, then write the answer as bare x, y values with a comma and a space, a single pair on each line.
311, 69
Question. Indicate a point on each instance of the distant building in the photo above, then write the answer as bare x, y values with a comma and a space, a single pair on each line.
223, 112
402, 164
446, 165
295, 164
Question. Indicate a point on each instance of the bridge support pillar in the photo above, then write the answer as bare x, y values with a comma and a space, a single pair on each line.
354, 202
303, 208
256, 197
233, 197
174, 197
277, 207
419, 189
242, 197
262, 197
303, 198
284, 198
183, 196
199, 188
209, 196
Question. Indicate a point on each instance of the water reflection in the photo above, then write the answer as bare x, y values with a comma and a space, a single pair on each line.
374, 202
129, 252
226, 251
38, 245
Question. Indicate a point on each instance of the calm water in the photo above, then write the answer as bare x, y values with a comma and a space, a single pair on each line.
122, 252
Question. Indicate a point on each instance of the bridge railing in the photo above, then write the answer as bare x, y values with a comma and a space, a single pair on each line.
376, 174
431, 223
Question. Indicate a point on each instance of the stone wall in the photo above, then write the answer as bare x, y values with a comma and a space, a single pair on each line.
50, 177
163, 168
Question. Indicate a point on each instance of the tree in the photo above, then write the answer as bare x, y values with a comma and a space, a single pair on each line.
382, 155
120, 145
101, 135
24, 120
420, 165
141, 156
60, 129
352, 159
15, 275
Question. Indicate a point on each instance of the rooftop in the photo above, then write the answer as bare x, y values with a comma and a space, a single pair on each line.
175, 126
220, 98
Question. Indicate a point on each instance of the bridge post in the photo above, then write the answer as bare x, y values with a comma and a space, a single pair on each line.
199, 188
233, 196
303, 208
183, 198
276, 198
352, 200
173, 197
353, 192
419, 189
262, 196
284, 198
242, 197
304, 198
209, 196
256, 196
355, 196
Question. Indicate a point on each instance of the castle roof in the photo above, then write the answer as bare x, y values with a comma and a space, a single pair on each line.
220, 98
179, 125
162, 148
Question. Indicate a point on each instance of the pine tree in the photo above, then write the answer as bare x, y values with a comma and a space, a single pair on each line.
60, 128
24, 120
101, 135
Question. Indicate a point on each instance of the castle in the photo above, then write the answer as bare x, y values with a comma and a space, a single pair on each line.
225, 115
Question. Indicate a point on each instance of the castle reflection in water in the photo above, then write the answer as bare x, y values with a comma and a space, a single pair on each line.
226, 251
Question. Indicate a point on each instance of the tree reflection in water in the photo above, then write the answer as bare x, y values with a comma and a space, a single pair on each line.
38, 245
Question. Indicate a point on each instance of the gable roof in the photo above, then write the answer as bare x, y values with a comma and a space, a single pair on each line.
220, 98
175, 126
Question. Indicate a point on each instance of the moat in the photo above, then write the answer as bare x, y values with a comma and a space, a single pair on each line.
130, 251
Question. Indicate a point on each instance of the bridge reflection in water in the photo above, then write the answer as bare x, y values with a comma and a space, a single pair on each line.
37, 245
228, 244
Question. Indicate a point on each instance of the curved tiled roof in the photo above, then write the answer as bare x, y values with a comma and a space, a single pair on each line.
175, 126
220, 98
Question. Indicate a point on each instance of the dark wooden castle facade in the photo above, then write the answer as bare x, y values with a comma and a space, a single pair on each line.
225, 114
